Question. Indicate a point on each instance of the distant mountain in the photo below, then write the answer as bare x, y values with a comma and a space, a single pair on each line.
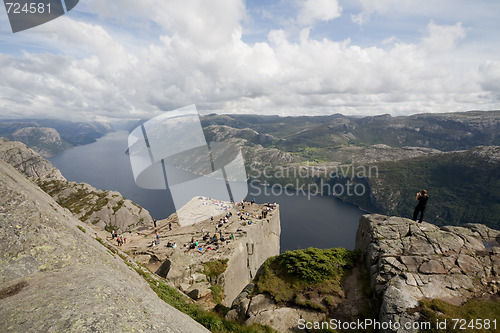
442, 131
464, 187
453, 155
44, 140
50, 136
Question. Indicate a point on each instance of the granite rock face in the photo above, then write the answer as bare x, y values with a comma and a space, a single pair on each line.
410, 261
102, 208
44, 140
27, 161
106, 209
56, 278
261, 309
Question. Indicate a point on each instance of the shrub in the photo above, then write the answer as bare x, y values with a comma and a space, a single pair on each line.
215, 267
316, 265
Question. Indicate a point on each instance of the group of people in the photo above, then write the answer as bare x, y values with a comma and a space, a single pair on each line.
120, 240
210, 242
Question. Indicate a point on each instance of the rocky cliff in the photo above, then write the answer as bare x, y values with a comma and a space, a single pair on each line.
56, 278
255, 238
105, 209
44, 140
108, 210
409, 262
262, 240
27, 161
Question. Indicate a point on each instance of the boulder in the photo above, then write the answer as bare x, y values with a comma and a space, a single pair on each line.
199, 290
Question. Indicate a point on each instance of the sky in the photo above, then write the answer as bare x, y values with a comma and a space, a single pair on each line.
130, 59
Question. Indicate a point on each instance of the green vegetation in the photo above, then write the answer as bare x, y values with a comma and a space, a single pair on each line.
315, 265
81, 228
217, 293
215, 267
79, 201
463, 188
309, 278
110, 228
211, 320
473, 311
119, 205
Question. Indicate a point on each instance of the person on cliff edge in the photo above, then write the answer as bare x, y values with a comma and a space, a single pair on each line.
422, 198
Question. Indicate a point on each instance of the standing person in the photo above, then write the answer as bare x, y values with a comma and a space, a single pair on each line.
422, 198
170, 226
154, 223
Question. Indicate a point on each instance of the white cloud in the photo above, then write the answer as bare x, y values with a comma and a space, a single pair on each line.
313, 11
95, 71
490, 77
208, 23
371, 7
442, 38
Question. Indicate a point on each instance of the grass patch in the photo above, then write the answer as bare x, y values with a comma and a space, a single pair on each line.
215, 267
80, 201
471, 311
309, 278
81, 228
217, 293
209, 319
110, 228
316, 265
119, 205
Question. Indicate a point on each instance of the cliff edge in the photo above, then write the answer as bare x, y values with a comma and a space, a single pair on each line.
409, 262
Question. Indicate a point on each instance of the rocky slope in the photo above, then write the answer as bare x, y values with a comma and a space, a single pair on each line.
106, 209
406, 262
56, 278
410, 261
44, 140
27, 161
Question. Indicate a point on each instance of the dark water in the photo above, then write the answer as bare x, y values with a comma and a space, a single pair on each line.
317, 221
